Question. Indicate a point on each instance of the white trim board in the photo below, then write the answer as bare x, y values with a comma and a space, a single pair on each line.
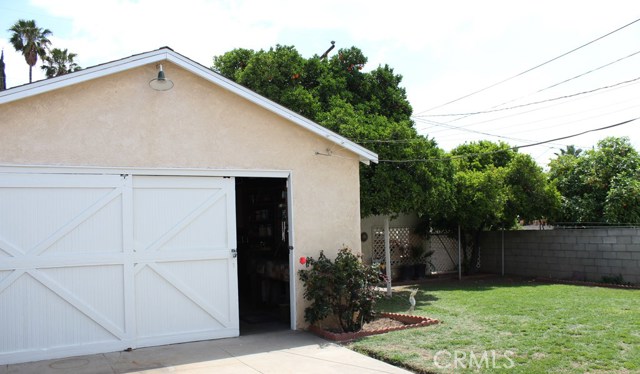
57, 169
167, 54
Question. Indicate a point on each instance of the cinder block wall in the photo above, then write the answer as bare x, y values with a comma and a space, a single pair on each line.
587, 254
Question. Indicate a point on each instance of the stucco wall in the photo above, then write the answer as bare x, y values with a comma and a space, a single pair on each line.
120, 121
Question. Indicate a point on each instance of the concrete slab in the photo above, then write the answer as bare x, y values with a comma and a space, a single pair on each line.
282, 351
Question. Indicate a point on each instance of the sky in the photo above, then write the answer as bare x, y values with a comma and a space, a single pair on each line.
457, 58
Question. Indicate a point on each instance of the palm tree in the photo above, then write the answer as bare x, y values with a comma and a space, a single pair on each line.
59, 62
571, 151
31, 41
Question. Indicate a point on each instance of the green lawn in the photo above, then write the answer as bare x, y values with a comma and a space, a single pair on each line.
524, 327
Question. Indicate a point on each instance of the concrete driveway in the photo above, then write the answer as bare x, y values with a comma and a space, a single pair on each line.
283, 351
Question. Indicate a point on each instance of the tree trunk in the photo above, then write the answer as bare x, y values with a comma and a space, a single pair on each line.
32, 59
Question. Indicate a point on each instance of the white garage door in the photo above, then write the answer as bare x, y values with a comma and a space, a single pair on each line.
96, 263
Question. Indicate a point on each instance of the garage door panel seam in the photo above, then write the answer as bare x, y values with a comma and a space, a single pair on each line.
43, 262
209, 253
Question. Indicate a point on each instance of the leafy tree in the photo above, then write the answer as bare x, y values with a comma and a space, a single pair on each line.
482, 154
59, 62
599, 185
370, 108
530, 193
30, 40
622, 204
494, 187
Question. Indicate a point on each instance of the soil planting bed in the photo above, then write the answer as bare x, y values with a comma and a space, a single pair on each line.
385, 322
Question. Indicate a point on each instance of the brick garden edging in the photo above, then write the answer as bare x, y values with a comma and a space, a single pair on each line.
410, 321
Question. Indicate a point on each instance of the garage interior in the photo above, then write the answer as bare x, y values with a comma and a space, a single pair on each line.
263, 254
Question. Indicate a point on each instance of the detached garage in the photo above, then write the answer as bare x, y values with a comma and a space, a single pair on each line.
133, 216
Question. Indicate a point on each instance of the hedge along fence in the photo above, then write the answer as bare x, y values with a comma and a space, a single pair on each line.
594, 255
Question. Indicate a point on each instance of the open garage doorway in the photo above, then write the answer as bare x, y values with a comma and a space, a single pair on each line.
263, 254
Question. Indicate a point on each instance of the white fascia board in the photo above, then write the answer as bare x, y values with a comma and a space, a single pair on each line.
365, 156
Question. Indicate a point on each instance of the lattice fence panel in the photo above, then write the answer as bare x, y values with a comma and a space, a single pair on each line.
445, 255
401, 239
400, 242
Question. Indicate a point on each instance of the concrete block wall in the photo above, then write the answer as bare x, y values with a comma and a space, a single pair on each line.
586, 255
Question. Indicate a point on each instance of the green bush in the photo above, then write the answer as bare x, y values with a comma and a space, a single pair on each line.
615, 279
343, 289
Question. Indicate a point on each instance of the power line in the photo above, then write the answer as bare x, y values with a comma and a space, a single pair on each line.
577, 120
555, 125
532, 103
580, 133
448, 126
559, 83
534, 110
588, 72
513, 148
453, 127
531, 69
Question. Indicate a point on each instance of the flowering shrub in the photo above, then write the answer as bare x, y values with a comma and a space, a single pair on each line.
343, 289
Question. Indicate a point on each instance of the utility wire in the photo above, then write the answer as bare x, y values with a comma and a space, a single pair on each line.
453, 127
527, 111
556, 84
531, 69
587, 72
531, 103
515, 148
521, 129
578, 134
448, 126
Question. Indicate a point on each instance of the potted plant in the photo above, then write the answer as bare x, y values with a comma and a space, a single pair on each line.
417, 252
421, 261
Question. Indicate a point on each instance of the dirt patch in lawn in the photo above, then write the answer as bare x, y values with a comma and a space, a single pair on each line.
382, 323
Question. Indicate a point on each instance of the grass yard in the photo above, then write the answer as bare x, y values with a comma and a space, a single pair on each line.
524, 327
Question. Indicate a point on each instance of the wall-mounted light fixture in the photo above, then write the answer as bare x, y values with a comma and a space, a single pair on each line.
161, 83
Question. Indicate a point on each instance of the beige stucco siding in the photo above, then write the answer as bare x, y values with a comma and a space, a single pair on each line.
120, 121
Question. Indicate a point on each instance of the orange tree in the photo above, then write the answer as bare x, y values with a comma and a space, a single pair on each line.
494, 187
368, 107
